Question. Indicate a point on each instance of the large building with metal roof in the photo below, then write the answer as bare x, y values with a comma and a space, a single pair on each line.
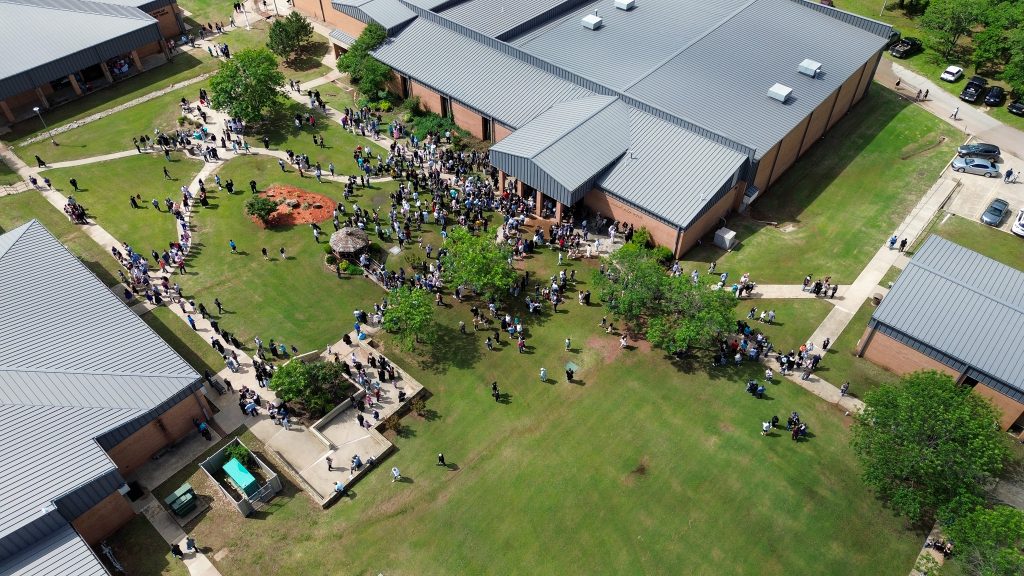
56, 50
959, 312
91, 393
742, 87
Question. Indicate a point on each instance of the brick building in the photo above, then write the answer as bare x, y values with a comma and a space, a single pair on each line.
89, 393
958, 312
683, 111
57, 50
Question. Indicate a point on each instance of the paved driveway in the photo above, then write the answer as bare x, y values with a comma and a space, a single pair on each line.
975, 192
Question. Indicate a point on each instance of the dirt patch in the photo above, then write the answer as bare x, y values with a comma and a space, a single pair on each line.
607, 346
298, 207
726, 427
636, 473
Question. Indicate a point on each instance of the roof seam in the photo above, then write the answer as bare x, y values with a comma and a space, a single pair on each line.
93, 372
125, 15
571, 130
959, 283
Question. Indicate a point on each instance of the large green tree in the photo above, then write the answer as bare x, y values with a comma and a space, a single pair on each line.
410, 315
368, 73
989, 541
948, 20
925, 440
1013, 73
318, 386
477, 262
246, 85
673, 313
290, 36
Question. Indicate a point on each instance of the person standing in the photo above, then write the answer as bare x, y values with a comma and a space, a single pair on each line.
330, 464
396, 474
569, 374
190, 545
568, 344
220, 307
440, 459
39, 162
283, 255
955, 114
233, 246
74, 184
543, 374
903, 245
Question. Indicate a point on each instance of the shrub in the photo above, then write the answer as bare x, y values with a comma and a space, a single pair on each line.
327, 249
332, 260
411, 106
419, 407
393, 423
260, 207
384, 106
239, 452
353, 269
661, 254
642, 237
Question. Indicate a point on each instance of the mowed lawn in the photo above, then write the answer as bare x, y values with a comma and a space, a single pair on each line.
842, 200
996, 244
639, 466
841, 364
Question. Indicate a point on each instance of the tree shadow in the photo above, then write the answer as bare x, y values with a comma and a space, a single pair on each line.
449, 349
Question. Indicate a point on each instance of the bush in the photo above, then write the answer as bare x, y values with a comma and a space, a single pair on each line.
238, 452
332, 260
319, 386
353, 269
642, 237
327, 249
384, 106
411, 106
393, 423
661, 254
260, 207
419, 407
430, 122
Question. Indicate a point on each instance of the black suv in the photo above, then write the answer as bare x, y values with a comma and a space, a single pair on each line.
972, 92
1016, 107
995, 96
906, 48
979, 150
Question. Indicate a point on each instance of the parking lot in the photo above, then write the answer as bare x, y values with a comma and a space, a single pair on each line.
975, 192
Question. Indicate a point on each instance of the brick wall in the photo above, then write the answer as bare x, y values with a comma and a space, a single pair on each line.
711, 220
168, 22
136, 450
104, 519
343, 22
429, 100
1011, 409
789, 149
468, 120
897, 357
501, 131
609, 207
846, 94
148, 49
312, 9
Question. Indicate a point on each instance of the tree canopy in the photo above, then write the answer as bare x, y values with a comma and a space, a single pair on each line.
246, 85
319, 386
948, 20
368, 73
289, 37
410, 315
925, 440
260, 207
989, 541
673, 313
477, 262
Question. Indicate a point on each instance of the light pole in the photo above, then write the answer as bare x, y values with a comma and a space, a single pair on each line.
276, 12
246, 15
45, 127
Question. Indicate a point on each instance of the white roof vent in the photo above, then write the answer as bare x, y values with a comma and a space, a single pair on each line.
780, 92
625, 4
592, 21
810, 68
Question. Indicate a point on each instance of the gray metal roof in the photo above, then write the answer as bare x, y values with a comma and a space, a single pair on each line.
62, 553
489, 81
391, 14
339, 36
78, 366
963, 305
669, 171
563, 150
721, 79
501, 18
44, 40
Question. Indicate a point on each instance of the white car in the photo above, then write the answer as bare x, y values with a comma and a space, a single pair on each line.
1018, 224
952, 74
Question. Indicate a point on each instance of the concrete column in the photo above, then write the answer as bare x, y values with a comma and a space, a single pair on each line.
558, 211
137, 60
74, 84
540, 202
519, 188
501, 181
106, 72
7, 111
165, 50
42, 97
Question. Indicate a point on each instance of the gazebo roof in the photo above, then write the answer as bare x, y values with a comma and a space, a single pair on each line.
349, 240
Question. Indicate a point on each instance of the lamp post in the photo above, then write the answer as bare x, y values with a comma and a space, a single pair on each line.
246, 15
276, 12
45, 127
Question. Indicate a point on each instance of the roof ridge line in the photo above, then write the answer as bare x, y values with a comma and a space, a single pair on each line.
91, 372
107, 408
115, 13
689, 44
20, 229
942, 275
578, 124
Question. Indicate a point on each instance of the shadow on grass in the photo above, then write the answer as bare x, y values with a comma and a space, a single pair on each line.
310, 59
450, 349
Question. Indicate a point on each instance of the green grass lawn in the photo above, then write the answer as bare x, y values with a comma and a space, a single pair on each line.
196, 351
795, 319
210, 11
142, 551
985, 240
890, 276
7, 175
841, 363
17, 209
105, 189
642, 466
839, 202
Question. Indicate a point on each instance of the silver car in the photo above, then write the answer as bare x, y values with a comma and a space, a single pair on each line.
980, 166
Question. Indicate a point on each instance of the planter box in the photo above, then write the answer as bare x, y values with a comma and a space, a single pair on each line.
245, 498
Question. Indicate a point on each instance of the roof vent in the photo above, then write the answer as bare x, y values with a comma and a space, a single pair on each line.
592, 21
810, 68
625, 4
780, 92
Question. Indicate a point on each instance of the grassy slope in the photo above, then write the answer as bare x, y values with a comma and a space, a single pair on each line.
995, 244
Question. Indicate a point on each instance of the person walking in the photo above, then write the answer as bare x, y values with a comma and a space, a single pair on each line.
265, 256
233, 246
926, 94
283, 255
396, 474
220, 307
167, 175
956, 113
176, 552
330, 464
191, 322
1008, 177
40, 163
568, 344
892, 241
190, 545
74, 184
903, 245
543, 374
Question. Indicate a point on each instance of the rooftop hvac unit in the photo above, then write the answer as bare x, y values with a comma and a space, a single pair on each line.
810, 68
592, 21
625, 4
780, 92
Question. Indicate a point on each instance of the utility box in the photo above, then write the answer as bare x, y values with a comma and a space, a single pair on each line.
810, 68
780, 92
592, 21
625, 4
725, 238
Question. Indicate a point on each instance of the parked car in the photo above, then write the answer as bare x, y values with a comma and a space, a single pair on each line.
980, 166
995, 213
1016, 107
906, 48
1018, 224
995, 96
972, 92
979, 150
952, 74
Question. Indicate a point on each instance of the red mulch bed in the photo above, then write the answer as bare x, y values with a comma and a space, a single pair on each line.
318, 207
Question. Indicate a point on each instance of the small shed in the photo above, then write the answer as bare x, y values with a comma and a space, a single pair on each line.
349, 241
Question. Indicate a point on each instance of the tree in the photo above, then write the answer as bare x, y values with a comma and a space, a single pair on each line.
989, 541
246, 85
410, 315
948, 20
367, 72
260, 207
926, 440
477, 262
1013, 73
319, 386
290, 36
673, 313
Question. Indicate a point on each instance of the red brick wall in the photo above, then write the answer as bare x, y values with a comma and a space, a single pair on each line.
151, 48
104, 519
901, 359
312, 9
429, 100
136, 450
167, 22
501, 131
1011, 409
609, 207
711, 220
467, 119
